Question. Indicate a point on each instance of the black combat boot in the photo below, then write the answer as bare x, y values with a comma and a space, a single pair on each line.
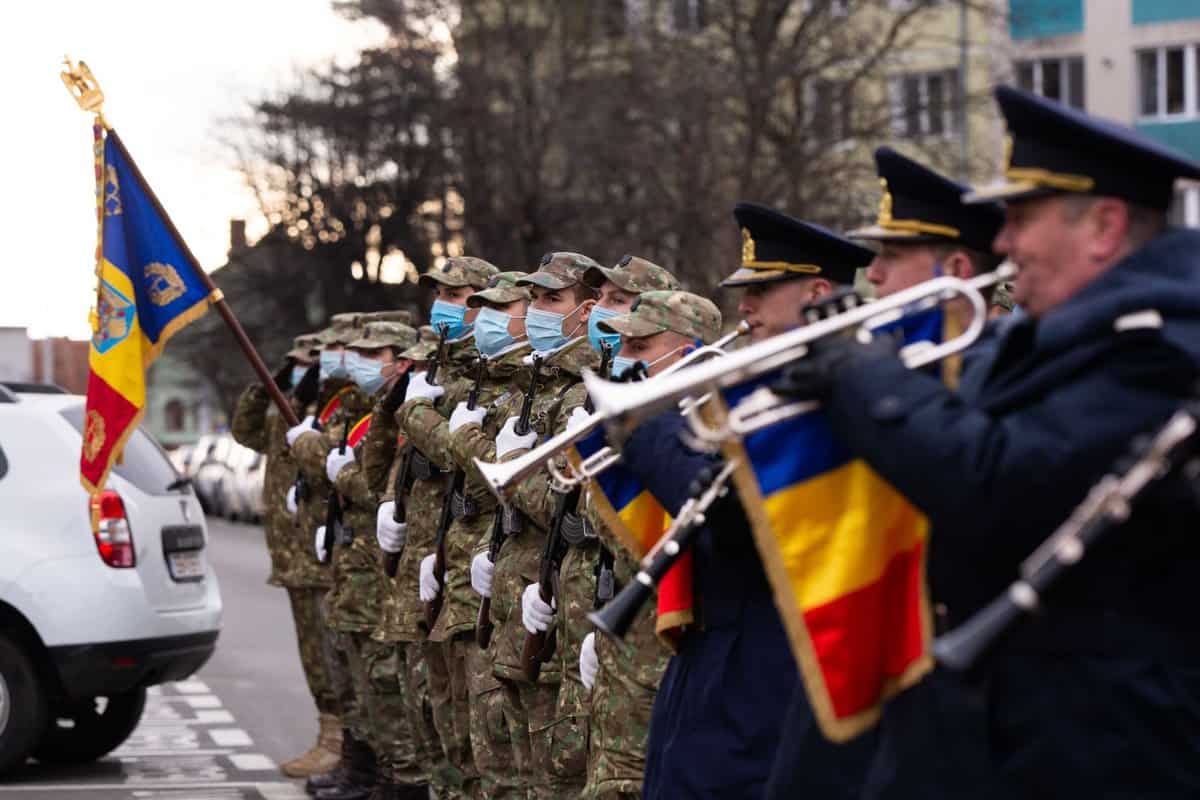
360, 776
326, 780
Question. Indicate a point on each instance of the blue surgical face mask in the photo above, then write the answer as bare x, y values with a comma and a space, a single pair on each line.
596, 336
333, 365
491, 331
545, 329
451, 316
366, 372
298, 374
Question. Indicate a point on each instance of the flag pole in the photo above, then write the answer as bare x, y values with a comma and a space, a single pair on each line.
87, 93
215, 296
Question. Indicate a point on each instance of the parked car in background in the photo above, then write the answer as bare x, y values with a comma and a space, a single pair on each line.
246, 502
181, 458
214, 476
100, 597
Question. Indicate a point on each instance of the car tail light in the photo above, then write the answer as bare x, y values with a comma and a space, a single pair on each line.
114, 539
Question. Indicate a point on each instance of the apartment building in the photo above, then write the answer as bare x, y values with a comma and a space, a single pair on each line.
1133, 61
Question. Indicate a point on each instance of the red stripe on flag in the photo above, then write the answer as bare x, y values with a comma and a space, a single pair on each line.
867, 638
106, 423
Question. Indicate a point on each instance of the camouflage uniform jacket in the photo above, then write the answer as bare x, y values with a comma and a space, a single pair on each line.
559, 392
404, 613
257, 424
311, 450
310, 512
502, 379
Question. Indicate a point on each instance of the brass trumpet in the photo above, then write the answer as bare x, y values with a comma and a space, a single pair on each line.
623, 407
502, 477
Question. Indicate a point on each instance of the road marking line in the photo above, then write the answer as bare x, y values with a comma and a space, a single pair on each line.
192, 687
205, 717
230, 737
252, 762
282, 791
203, 701
130, 755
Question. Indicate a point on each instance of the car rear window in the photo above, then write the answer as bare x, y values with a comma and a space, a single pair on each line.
144, 463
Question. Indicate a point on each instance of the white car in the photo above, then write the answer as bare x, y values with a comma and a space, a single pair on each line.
99, 597
249, 468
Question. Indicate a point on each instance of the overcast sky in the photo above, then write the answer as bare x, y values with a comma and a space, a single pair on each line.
171, 72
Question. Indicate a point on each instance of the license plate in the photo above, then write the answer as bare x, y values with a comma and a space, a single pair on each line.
186, 565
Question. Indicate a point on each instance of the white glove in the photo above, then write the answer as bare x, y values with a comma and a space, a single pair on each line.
535, 615
589, 665
579, 416
509, 440
306, 425
419, 387
290, 502
466, 416
429, 585
389, 533
481, 574
335, 461
319, 544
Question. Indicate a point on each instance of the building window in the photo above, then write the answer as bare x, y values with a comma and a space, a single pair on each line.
1167, 82
1185, 210
830, 110
1058, 79
688, 16
924, 104
837, 8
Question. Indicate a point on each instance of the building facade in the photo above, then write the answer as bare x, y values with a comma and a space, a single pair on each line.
1133, 61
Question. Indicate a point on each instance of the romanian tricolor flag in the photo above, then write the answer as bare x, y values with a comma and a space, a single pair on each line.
845, 555
149, 288
639, 521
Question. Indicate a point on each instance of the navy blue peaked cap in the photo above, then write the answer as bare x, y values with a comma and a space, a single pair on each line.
1056, 149
920, 205
776, 247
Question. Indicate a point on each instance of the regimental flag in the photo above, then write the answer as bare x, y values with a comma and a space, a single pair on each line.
149, 288
639, 521
845, 555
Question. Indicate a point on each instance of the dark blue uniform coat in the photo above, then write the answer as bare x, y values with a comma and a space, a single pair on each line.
719, 710
1100, 695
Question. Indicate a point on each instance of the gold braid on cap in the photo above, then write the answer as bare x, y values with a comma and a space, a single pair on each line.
750, 262
1063, 181
908, 225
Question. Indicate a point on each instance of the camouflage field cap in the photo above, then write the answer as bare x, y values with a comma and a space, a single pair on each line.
343, 328
654, 312
632, 274
305, 346
385, 334
459, 271
426, 346
559, 271
502, 288
399, 315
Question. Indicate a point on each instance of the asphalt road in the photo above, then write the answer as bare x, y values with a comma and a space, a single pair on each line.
221, 734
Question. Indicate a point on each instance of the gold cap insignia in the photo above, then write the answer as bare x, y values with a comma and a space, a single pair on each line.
747, 247
885, 204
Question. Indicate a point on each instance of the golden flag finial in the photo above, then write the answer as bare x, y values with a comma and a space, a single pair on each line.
82, 85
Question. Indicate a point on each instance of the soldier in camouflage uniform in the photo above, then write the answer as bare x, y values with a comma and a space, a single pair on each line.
258, 425
548, 752
310, 442
503, 348
659, 331
454, 282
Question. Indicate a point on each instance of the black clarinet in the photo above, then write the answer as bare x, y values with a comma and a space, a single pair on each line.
1106, 507
615, 618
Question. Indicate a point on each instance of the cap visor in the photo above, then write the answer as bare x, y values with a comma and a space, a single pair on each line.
596, 276
545, 280
878, 233
1006, 190
506, 295
430, 278
633, 327
746, 277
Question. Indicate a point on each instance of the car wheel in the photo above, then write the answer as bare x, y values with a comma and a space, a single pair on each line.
22, 705
86, 730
